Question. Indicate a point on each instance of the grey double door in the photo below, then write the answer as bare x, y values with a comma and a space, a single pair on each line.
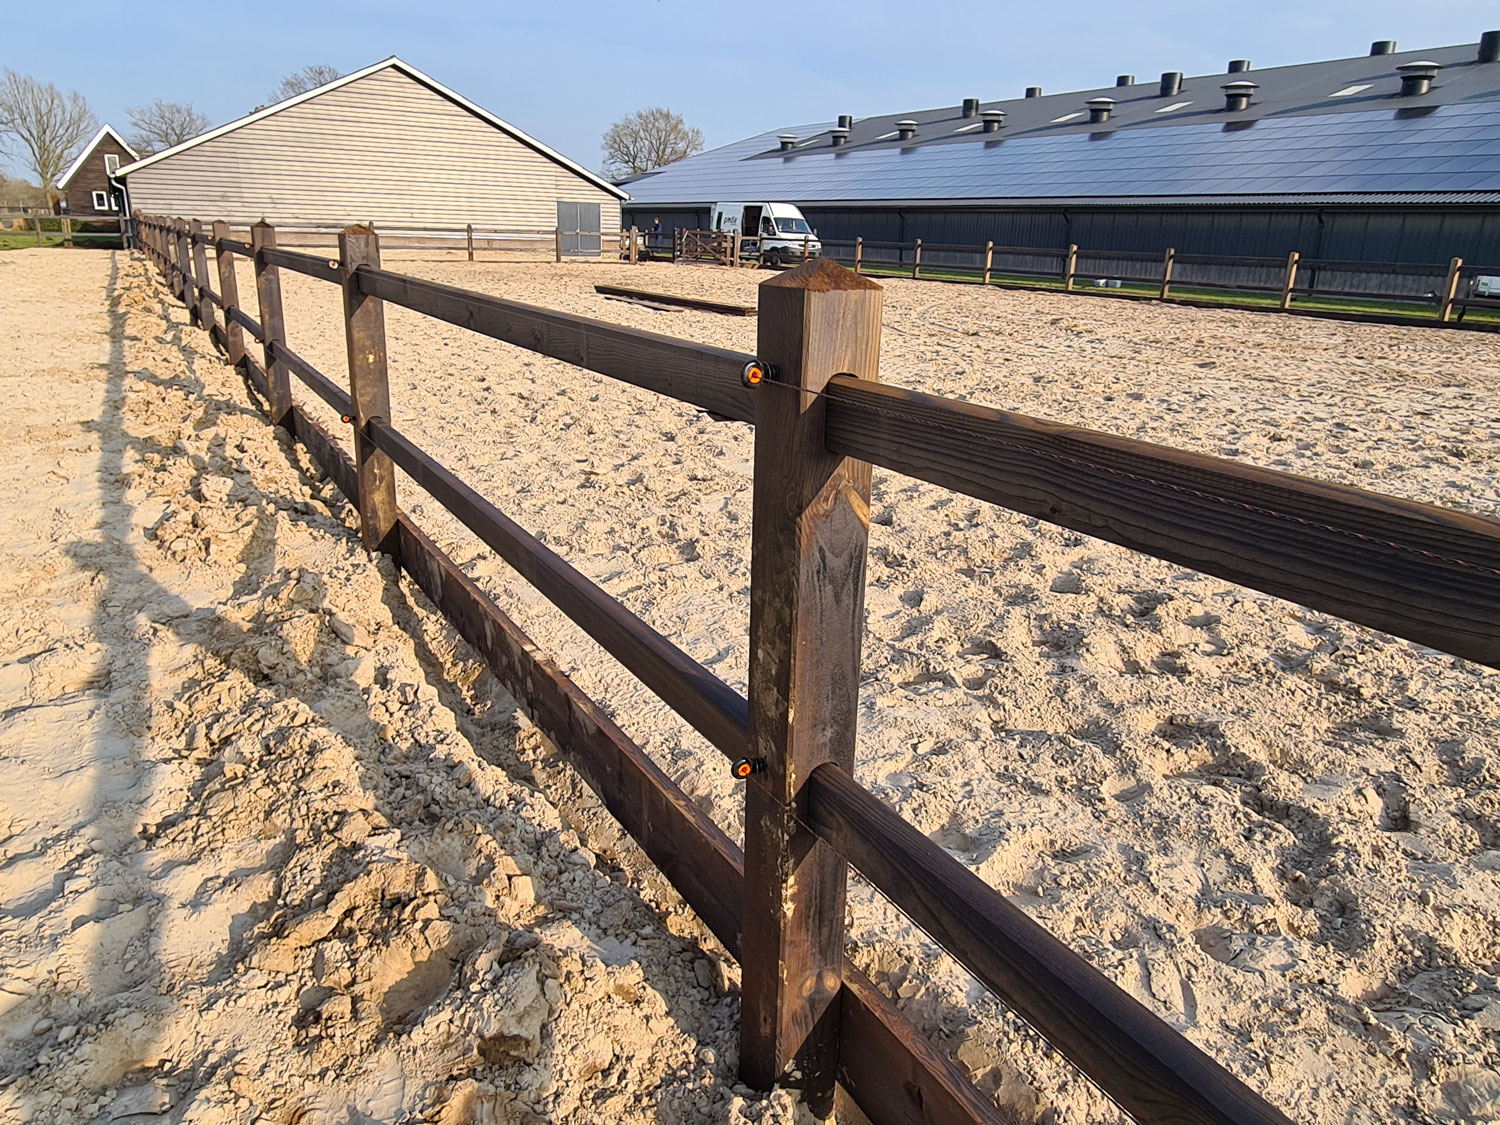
579, 224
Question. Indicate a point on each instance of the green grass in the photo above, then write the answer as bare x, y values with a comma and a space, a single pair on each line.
1227, 298
18, 240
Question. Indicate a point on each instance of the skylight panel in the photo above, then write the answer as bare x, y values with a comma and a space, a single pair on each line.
1066, 117
1173, 106
1347, 90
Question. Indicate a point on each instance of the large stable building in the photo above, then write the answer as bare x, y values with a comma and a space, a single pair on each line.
388, 145
1389, 156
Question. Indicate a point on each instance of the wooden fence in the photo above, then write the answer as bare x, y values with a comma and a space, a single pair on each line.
810, 1018
42, 224
472, 241
1447, 288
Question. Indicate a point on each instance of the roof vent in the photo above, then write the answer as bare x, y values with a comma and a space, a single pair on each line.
1238, 66
1125, 80
1489, 47
840, 135
1100, 109
993, 119
1033, 91
906, 130
1237, 95
1171, 83
788, 141
1416, 77
971, 107
1383, 47
846, 121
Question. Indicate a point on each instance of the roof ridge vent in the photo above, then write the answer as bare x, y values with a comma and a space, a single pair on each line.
1238, 66
1489, 47
1416, 77
1100, 109
906, 129
1237, 95
846, 121
788, 141
1033, 91
993, 120
1171, 83
1383, 47
840, 135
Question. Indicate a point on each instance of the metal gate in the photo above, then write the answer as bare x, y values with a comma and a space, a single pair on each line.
579, 225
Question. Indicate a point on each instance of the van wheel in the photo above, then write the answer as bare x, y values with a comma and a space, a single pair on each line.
772, 258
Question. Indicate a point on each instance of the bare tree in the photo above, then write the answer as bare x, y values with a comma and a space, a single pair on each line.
16, 191
43, 126
164, 124
647, 139
308, 78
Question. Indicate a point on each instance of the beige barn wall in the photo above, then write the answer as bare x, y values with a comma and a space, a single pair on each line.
383, 149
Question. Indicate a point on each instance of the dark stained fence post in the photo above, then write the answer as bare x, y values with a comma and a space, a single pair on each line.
1450, 289
1166, 273
469, 239
185, 280
1290, 281
229, 295
1070, 267
916, 260
989, 260
37, 222
272, 325
201, 302
557, 243
807, 565
859, 251
364, 332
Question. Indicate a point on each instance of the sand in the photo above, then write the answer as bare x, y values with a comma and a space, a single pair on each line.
1279, 831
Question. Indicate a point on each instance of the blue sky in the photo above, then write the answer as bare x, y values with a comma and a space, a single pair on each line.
564, 71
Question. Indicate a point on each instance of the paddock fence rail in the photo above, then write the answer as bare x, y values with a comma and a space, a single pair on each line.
810, 1018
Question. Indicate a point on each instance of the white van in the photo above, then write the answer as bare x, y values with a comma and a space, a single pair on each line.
772, 232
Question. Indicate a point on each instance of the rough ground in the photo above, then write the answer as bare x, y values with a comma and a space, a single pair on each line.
269, 851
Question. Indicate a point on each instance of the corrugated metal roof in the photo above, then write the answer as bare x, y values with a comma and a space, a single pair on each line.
1295, 139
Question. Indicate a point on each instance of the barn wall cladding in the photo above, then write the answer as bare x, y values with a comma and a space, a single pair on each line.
1386, 157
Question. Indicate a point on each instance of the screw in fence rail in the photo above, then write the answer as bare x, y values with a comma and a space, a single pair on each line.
1070, 267
989, 258
229, 296
916, 259
272, 324
369, 389
807, 566
1166, 272
1450, 289
1289, 282
201, 302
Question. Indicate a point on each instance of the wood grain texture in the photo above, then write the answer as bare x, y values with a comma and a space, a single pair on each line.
202, 299
1153, 1072
708, 378
1424, 573
248, 323
320, 384
229, 293
272, 322
369, 391
715, 709
324, 269
807, 585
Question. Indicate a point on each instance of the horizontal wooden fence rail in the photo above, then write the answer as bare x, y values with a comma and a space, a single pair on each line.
1415, 570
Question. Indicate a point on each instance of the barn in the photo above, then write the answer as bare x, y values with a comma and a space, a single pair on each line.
387, 145
90, 187
1384, 157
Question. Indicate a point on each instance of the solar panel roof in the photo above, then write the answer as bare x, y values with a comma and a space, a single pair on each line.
1306, 132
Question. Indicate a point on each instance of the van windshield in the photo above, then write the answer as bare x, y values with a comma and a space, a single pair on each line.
792, 226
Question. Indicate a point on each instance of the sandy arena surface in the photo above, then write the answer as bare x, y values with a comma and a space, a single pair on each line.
264, 890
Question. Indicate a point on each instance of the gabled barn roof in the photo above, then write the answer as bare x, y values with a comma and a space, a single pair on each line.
393, 63
88, 150
1326, 129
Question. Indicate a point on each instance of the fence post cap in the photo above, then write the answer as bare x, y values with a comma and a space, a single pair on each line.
821, 276
358, 229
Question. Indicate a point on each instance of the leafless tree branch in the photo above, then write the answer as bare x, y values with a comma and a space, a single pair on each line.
308, 78
164, 124
648, 139
43, 126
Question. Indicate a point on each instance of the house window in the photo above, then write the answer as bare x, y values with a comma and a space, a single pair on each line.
101, 201
111, 163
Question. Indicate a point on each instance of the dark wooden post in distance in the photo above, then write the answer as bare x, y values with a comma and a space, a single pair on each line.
1070, 268
37, 222
989, 258
859, 251
364, 332
1290, 281
229, 296
201, 302
1166, 272
557, 242
186, 280
67, 230
272, 325
1450, 289
807, 594
916, 260
469, 239
635, 246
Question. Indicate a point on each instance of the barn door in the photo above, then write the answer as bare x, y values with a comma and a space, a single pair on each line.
579, 223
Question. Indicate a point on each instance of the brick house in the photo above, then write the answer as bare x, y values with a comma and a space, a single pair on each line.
88, 187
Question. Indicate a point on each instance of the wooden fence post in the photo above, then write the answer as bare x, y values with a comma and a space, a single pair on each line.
469, 238
1290, 281
1166, 272
635, 246
272, 324
807, 565
369, 389
989, 259
1450, 289
67, 230
37, 222
187, 281
805, 242
916, 260
557, 243
1070, 267
201, 302
859, 250
229, 295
